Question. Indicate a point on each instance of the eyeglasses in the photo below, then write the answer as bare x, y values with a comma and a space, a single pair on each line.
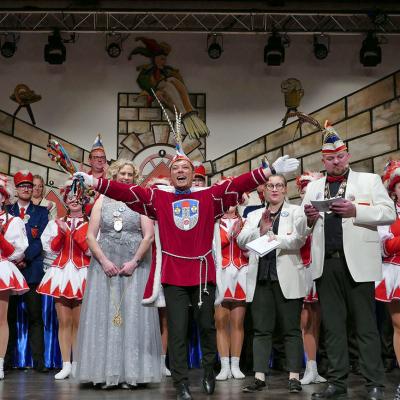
26, 186
98, 158
277, 186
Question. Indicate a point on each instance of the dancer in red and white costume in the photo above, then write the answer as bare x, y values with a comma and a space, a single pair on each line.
13, 242
66, 279
388, 289
311, 313
229, 315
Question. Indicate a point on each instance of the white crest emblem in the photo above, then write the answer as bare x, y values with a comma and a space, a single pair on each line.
186, 213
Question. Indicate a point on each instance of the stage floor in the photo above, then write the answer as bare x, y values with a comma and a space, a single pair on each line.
27, 384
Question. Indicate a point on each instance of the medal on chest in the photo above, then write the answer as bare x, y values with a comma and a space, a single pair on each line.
26, 218
117, 217
185, 213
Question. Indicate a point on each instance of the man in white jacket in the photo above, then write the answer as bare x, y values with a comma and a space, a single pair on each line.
346, 260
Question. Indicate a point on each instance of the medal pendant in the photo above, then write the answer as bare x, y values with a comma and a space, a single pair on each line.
117, 319
26, 218
118, 225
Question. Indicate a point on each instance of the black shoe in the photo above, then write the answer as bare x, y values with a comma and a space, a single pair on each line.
331, 392
40, 367
183, 392
294, 386
256, 386
375, 393
209, 382
397, 394
127, 386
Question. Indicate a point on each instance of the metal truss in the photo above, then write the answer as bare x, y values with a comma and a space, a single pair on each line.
197, 22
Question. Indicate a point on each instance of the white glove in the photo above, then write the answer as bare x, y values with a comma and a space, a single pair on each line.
284, 165
86, 177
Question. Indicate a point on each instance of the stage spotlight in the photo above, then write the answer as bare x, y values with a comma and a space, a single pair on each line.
114, 44
114, 50
54, 50
215, 46
9, 46
274, 51
321, 46
371, 52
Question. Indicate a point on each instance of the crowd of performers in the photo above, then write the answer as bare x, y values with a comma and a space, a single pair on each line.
126, 268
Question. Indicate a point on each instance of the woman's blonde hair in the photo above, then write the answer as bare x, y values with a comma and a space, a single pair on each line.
117, 165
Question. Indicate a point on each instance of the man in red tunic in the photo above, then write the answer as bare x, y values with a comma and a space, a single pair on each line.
184, 229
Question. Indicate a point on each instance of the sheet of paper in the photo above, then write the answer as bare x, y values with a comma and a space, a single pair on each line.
323, 205
262, 246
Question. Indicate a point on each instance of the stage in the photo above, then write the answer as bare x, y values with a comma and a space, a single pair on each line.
24, 384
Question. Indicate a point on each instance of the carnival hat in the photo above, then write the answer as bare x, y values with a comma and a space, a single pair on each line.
199, 169
308, 176
391, 174
23, 176
332, 143
98, 144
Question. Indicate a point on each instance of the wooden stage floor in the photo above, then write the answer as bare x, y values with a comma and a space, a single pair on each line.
28, 384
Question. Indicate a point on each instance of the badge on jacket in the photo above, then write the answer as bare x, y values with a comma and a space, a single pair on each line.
284, 214
35, 232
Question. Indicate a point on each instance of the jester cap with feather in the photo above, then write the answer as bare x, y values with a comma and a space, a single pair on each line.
176, 131
332, 143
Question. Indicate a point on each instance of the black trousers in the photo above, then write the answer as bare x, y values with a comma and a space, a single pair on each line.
342, 298
33, 301
270, 305
178, 299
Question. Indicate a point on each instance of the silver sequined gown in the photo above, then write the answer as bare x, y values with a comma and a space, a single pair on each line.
107, 353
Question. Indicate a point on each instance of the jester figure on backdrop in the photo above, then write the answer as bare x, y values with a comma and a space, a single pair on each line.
167, 83
65, 280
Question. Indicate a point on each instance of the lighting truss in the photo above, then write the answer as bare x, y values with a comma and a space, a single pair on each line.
194, 22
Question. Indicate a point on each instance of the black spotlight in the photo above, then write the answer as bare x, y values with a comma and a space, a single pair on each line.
215, 46
114, 50
274, 51
321, 46
54, 51
371, 52
114, 44
9, 46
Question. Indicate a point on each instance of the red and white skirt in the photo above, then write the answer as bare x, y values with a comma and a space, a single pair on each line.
388, 288
11, 278
311, 289
68, 282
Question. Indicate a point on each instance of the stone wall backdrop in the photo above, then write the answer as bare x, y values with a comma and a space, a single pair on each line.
25, 148
141, 126
368, 120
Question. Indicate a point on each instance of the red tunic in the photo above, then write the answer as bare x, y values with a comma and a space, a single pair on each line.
391, 247
186, 222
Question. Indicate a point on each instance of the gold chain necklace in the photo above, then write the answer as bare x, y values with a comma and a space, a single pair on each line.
340, 192
117, 318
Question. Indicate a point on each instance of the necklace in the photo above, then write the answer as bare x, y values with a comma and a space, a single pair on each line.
117, 320
340, 192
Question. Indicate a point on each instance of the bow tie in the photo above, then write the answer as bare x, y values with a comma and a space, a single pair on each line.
332, 179
186, 191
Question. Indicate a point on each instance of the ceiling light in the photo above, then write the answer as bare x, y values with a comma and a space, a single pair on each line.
54, 50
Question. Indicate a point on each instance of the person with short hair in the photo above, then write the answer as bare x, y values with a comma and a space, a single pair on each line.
31, 266
276, 282
346, 262
185, 266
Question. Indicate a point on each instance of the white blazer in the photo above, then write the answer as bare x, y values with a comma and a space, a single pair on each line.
289, 266
360, 237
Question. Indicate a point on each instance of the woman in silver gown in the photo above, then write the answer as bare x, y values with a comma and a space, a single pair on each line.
119, 340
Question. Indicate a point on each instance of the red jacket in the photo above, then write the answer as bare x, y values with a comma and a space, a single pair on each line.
72, 247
